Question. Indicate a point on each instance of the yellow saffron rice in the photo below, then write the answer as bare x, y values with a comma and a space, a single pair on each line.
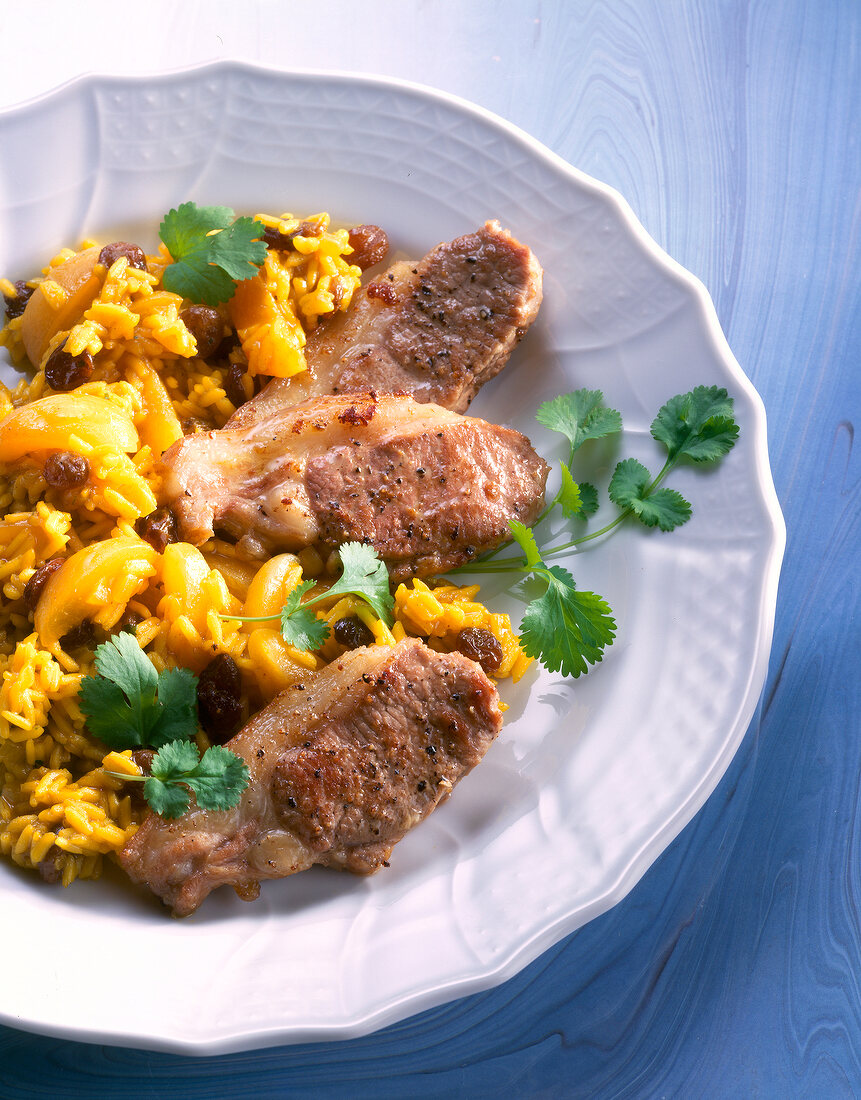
62, 809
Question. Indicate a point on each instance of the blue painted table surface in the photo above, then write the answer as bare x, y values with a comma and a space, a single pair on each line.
734, 968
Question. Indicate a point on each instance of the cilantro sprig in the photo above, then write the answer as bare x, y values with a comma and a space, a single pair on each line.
364, 575
568, 629
211, 250
128, 705
216, 779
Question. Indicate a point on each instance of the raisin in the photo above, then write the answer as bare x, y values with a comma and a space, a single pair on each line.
283, 242
219, 698
158, 528
206, 326
49, 871
369, 244
65, 470
83, 634
64, 372
352, 632
35, 585
481, 646
233, 385
132, 252
17, 303
144, 758
274, 239
229, 342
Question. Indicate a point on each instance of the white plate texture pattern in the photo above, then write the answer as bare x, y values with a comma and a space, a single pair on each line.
590, 779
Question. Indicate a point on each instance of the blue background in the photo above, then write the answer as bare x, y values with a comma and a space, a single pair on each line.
732, 969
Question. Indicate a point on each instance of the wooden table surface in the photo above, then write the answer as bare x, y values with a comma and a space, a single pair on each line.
734, 968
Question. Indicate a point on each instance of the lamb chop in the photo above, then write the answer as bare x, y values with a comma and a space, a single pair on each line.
342, 766
437, 329
429, 489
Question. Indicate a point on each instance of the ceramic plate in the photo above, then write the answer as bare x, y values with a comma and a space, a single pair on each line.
590, 779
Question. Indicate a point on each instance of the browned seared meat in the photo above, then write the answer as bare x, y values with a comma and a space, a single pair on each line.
340, 772
429, 489
437, 329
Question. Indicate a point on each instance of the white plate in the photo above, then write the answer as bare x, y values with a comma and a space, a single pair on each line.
590, 779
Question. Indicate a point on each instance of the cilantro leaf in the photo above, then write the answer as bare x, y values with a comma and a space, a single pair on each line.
629, 482
698, 425
579, 416
588, 499
128, 704
565, 629
238, 249
174, 760
524, 536
122, 661
217, 779
299, 625
163, 790
630, 488
177, 696
182, 228
108, 714
364, 575
168, 798
664, 508
575, 500
209, 252
198, 281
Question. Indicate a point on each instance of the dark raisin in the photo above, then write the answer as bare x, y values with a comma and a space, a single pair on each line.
84, 634
219, 698
206, 326
144, 758
16, 303
158, 528
65, 470
352, 632
229, 342
481, 646
370, 245
64, 372
35, 585
279, 242
283, 242
112, 252
233, 385
49, 871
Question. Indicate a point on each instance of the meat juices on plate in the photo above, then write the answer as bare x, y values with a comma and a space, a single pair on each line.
340, 772
427, 488
437, 329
